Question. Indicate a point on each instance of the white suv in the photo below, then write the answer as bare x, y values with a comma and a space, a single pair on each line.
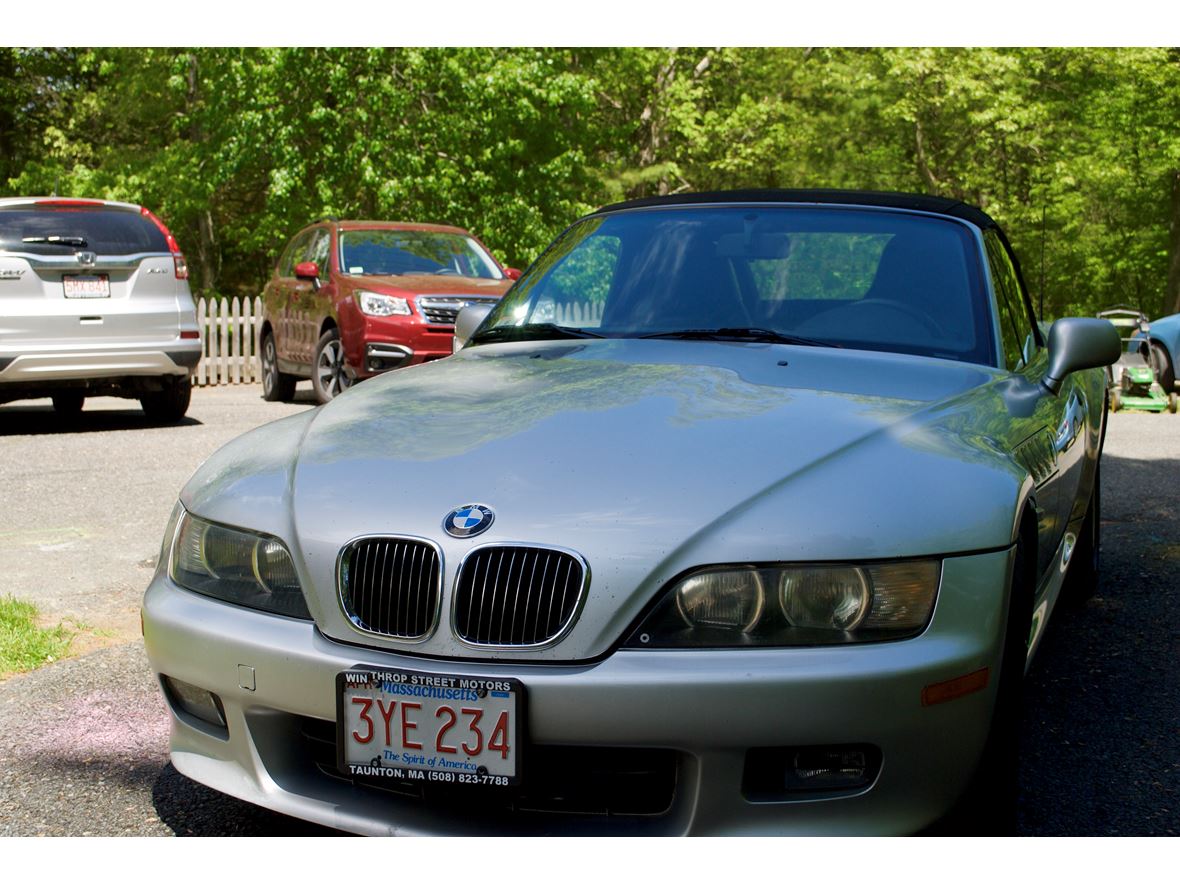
94, 301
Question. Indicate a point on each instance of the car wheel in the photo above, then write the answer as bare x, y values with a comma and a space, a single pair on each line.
68, 403
988, 806
168, 404
1116, 400
1165, 372
1081, 581
276, 386
328, 375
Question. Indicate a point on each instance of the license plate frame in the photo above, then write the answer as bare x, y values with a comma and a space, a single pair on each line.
386, 757
75, 285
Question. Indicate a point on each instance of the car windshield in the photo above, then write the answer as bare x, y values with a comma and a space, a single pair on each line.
862, 278
396, 252
62, 231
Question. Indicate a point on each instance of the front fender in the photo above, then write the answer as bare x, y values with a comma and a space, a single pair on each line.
248, 481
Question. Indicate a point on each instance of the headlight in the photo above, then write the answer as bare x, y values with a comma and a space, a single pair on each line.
729, 600
377, 305
236, 566
829, 598
792, 605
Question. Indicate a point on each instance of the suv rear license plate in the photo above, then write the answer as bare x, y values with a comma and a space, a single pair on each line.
413, 727
87, 286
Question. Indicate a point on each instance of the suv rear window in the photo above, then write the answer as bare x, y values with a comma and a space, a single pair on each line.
104, 231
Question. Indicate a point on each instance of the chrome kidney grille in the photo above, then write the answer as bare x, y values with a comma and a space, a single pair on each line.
511, 596
391, 586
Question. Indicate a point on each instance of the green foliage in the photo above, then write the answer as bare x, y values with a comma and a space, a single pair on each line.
824, 265
24, 645
586, 274
1075, 151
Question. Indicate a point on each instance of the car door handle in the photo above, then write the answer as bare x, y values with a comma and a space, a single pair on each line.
1071, 423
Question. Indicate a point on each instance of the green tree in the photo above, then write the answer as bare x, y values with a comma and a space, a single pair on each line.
1075, 151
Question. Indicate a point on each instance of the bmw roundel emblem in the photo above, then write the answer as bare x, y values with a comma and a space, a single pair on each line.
468, 520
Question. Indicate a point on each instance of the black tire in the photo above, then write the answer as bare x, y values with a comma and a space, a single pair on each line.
276, 386
1165, 372
168, 404
1081, 581
1173, 402
328, 375
988, 806
68, 402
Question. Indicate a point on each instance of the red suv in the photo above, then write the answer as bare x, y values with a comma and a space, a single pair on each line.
350, 299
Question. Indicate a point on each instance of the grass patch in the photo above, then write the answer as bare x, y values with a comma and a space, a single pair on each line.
24, 645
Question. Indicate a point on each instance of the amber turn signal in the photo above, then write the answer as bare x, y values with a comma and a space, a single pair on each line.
941, 692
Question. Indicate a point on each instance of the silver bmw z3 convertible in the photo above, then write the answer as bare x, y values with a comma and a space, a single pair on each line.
741, 513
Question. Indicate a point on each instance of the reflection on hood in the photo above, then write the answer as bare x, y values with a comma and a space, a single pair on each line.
451, 408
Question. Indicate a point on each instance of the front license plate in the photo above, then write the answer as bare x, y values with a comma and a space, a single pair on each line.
87, 286
429, 728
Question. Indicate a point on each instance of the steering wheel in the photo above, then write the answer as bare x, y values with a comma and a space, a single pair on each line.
903, 308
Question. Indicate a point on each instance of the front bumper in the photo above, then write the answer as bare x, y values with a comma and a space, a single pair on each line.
275, 675
394, 342
383, 357
373, 345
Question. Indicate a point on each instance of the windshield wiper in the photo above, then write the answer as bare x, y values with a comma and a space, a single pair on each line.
55, 240
531, 332
741, 333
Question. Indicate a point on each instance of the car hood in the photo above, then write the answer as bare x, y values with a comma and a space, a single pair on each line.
432, 284
645, 457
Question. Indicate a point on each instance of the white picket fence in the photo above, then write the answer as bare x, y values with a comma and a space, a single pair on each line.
579, 314
229, 331
230, 327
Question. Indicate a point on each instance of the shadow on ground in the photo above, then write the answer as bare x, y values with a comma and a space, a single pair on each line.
17, 420
190, 809
1100, 752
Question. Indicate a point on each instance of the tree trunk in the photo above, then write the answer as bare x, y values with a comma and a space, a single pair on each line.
1172, 294
8, 104
652, 120
923, 163
209, 253
208, 256
654, 123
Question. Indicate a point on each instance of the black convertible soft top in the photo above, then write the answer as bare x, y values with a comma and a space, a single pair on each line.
915, 202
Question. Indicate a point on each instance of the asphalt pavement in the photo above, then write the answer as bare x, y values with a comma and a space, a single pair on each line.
83, 742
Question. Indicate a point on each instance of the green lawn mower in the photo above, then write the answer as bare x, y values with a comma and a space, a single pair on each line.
1132, 380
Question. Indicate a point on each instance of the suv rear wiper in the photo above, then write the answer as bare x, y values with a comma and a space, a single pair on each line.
56, 240
741, 333
531, 332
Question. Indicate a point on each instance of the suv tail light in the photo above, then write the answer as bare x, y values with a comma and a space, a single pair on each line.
177, 256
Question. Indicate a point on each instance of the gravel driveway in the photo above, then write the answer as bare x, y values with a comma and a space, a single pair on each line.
83, 742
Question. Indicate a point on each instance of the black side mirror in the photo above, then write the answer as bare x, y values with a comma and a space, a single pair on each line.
467, 322
1079, 343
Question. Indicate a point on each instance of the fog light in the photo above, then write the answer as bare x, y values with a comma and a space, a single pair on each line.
828, 769
197, 702
383, 357
777, 774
